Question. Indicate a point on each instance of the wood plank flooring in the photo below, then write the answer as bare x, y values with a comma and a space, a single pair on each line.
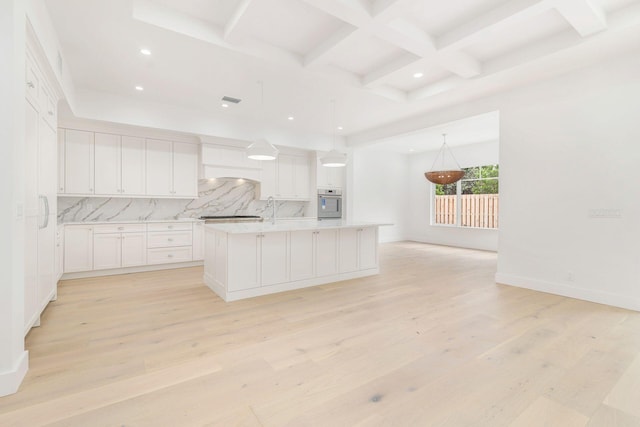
431, 341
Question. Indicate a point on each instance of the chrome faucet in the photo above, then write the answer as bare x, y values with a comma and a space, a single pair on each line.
271, 202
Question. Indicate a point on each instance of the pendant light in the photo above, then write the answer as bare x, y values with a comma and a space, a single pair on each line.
261, 149
444, 175
334, 158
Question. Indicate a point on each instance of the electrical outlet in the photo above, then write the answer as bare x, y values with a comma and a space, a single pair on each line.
604, 213
569, 276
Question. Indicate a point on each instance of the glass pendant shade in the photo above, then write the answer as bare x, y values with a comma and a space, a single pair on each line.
334, 159
261, 149
448, 172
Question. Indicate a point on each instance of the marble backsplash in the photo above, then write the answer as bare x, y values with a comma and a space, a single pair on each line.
216, 197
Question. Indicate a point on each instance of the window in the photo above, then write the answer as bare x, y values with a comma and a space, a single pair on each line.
470, 202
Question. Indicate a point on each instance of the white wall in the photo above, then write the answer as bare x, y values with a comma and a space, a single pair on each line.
378, 191
420, 198
569, 146
13, 358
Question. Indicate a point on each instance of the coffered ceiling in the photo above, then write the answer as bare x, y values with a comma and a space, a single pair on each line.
382, 60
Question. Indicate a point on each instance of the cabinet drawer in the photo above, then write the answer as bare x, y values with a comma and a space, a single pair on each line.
168, 255
119, 228
159, 239
169, 226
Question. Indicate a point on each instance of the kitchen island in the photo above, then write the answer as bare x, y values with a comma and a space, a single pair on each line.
250, 259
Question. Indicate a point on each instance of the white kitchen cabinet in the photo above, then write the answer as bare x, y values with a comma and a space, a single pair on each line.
78, 162
256, 260
286, 178
358, 249
134, 249
107, 166
61, 160
132, 166
107, 251
329, 177
313, 253
172, 168
59, 252
185, 170
169, 242
78, 248
198, 241
159, 175
120, 165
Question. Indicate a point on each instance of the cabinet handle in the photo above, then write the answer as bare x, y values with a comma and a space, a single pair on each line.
30, 84
170, 227
91, 189
61, 189
170, 240
50, 112
120, 228
170, 256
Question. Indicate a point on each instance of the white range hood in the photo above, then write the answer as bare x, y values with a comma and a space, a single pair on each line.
220, 161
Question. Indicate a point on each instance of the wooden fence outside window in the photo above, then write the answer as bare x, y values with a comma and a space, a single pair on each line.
476, 210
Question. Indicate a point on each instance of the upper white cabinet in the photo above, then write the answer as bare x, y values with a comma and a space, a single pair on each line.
172, 168
104, 164
120, 166
329, 177
78, 162
286, 178
185, 170
159, 167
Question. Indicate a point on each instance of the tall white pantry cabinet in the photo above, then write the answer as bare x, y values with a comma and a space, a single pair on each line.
40, 208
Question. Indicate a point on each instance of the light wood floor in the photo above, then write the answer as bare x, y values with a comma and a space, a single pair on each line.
431, 341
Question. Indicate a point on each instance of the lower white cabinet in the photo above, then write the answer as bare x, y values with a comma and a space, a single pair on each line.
358, 249
313, 253
256, 260
111, 246
116, 246
243, 263
78, 248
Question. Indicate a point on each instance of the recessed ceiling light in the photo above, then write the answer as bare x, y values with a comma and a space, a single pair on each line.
411, 150
417, 75
340, 128
145, 51
290, 118
139, 88
225, 105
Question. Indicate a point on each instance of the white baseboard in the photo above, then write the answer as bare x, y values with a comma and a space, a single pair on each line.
10, 380
600, 297
140, 269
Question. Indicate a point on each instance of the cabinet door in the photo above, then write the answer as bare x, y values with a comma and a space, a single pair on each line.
185, 170
243, 252
348, 250
159, 167
107, 165
286, 167
335, 177
302, 254
268, 181
326, 252
78, 248
274, 258
301, 177
133, 166
134, 249
198, 241
219, 249
78, 162
367, 248
107, 251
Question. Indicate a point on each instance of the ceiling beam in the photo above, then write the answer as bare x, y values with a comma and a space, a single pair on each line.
583, 15
354, 12
379, 75
236, 17
494, 20
321, 52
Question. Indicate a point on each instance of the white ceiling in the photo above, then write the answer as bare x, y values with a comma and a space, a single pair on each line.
363, 53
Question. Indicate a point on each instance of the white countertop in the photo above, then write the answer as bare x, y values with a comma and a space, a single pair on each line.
133, 221
289, 225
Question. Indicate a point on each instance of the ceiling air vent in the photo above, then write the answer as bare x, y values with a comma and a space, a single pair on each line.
231, 99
